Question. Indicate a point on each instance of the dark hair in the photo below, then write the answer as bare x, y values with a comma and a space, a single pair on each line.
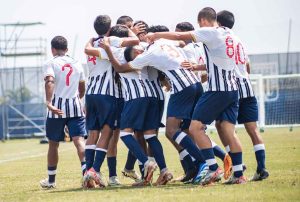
225, 18
127, 53
59, 43
143, 23
119, 31
185, 26
102, 24
124, 19
207, 13
158, 28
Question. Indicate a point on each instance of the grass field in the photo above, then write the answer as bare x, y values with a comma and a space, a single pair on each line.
23, 165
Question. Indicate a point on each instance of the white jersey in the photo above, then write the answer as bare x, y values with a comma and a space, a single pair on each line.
102, 77
242, 76
153, 75
166, 57
195, 54
67, 73
135, 84
220, 51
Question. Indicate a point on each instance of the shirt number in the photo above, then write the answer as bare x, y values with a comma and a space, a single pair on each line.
68, 74
236, 52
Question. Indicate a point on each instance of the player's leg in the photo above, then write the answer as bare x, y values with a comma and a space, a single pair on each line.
112, 159
54, 133
76, 127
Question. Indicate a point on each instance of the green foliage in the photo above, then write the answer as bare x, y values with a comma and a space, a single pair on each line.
19, 95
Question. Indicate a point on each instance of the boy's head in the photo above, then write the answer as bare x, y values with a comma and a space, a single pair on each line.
141, 35
119, 31
132, 52
207, 17
158, 28
102, 24
125, 20
225, 19
184, 27
59, 45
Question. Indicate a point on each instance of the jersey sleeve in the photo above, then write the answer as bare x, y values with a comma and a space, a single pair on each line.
142, 60
48, 70
204, 35
115, 41
82, 75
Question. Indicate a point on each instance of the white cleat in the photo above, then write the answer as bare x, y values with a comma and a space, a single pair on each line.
114, 181
131, 174
46, 184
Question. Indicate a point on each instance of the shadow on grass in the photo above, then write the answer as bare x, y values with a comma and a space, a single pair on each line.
128, 187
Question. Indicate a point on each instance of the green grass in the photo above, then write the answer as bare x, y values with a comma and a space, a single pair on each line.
23, 165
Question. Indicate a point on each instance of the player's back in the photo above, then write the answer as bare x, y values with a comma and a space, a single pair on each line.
67, 73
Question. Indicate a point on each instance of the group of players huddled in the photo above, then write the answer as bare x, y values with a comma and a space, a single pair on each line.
130, 65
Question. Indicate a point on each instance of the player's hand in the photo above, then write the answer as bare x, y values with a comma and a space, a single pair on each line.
104, 43
138, 28
187, 65
54, 109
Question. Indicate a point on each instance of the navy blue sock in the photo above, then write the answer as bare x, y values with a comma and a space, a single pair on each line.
89, 155
219, 152
100, 156
260, 156
83, 167
157, 150
131, 159
112, 166
186, 160
187, 143
210, 158
141, 167
237, 163
134, 146
51, 173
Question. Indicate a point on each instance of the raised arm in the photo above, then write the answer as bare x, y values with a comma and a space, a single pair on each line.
90, 50
169, 35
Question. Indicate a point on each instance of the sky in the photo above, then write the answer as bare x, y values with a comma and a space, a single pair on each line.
261, 24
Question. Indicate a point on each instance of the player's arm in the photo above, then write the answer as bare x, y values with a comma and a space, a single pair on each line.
49, 89
193, 66
81, 88
120, 68
132, 40
90, 50
178, 36
248, 67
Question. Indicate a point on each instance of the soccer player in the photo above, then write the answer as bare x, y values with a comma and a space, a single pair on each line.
220, 101
165, 56
248, 110
101, 103
64, 86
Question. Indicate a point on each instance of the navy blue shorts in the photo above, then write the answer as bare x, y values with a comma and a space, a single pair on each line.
100, 110
248, 110
217, 105
161, 107
55, 128
181, 105
120, 106
140, 114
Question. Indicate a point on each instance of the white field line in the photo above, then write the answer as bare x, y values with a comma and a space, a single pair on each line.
30, 156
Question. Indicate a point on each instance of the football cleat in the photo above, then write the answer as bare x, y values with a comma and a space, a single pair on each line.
261, 175
131, 174
203, 168
96, 177
46, 184
149, 169
236, 180
189, 175
114, 181
211, 176
227, 166
164, 178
